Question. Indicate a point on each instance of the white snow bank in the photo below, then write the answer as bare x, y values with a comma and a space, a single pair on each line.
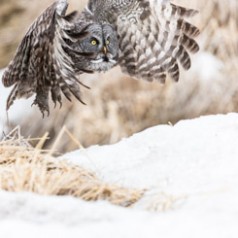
189, 157
190, 169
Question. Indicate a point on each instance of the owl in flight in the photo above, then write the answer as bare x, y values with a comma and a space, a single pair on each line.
146, 38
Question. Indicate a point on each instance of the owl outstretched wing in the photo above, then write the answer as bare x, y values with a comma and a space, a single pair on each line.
154, 36
41, 65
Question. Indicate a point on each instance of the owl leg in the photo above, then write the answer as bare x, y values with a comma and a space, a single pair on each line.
42, 100
55, 95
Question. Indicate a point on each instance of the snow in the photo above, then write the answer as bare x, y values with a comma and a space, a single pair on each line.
212, 68
203, 143
190, 171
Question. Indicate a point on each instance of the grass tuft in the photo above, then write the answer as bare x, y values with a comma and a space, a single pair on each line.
27, 169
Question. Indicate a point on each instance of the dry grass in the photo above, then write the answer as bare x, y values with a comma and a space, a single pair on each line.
118, 106
24, 168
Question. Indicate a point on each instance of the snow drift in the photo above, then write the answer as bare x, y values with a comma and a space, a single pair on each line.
189, 171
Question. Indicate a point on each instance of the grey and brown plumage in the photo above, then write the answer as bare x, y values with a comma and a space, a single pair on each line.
147, 38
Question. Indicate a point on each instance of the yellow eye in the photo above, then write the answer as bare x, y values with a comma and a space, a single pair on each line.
93, 42
107, 42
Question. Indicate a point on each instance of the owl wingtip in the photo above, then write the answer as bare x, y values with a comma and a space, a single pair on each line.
61, 7
5, 79
9, 104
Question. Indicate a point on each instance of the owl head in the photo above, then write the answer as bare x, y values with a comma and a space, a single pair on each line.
96, 48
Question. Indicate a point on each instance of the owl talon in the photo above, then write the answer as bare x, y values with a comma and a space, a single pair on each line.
55, 104
43, 107
81, 101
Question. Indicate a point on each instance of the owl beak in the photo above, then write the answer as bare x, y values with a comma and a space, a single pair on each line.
104, 50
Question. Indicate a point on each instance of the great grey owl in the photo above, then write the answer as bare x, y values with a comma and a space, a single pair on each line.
147, 38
